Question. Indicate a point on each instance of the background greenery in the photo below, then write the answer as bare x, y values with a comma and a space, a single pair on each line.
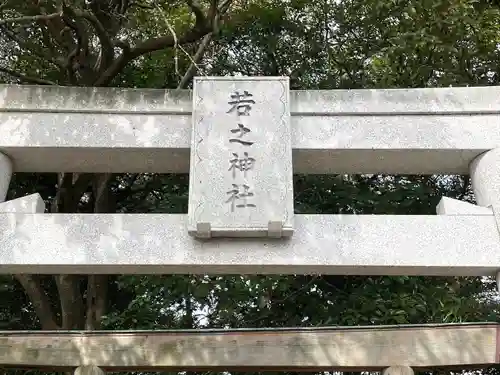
323, 44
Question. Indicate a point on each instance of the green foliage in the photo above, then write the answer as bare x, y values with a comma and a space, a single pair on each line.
320, 45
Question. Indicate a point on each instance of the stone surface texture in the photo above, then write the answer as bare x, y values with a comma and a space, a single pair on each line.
54, 129
398, 370
89, 370
327, 244
241, 157
449, 206
5, 175
485, 178
30, 203
314, 349
447, 130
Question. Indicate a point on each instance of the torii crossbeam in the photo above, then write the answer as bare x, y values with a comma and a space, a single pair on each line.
360, 131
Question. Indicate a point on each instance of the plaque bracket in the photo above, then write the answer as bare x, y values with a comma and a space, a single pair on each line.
275, 229
203, 230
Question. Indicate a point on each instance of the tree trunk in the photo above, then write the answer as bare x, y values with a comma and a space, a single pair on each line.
79, 309
66, 34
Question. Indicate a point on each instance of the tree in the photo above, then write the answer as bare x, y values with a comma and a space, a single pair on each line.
267, 38
320, 45
90, 43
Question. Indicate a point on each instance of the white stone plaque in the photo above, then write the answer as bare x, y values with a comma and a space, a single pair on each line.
241, 178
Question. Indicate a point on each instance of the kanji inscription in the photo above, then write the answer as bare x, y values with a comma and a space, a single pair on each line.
241, 157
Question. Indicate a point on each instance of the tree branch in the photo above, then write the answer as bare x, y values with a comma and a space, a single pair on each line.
33, 287
45, 28
24, 78
76, 60
224, 6
71, 301
143, 48
139, 5
63, 185
107, 46
97, 285
70, 188
128, 189
55, 26
69, 192
101, 190
97, 292
214, 13
81, 182
27, 19
32, 48
201, 21
201, 28
193, 67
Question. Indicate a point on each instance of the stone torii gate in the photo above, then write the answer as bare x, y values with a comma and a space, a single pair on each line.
241, 139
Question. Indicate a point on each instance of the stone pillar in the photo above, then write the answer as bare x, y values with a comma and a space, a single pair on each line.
398, 370
89, 370
485, 178
5, 175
